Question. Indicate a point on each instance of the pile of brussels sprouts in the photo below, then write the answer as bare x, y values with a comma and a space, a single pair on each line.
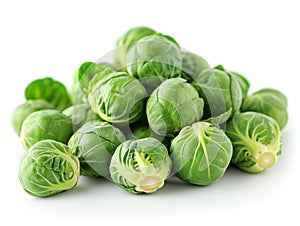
157, 111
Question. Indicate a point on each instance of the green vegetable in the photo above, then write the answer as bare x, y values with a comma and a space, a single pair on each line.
94, 144
140, 166
192, 65
256, 140
270, 102
46, 124
22, 111
141, 130
173, 105
221, 92
50, 90
125, 43
154, 59
80, 114
201, 153
243, 82
117, 97
82, 77
48, 168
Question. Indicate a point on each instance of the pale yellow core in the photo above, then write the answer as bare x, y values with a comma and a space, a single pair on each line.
150, 184
266, 160
71, 175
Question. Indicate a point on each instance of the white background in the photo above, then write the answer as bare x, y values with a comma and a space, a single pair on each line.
259, 39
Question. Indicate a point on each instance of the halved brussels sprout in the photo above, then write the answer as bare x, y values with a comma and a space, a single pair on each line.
201, 153
50, 90
80, 114
173, 105
221, 92
48, 168
154, 59
22, 111
125, 43
46, 124
192, 65
256, 140
117, 97
140, 166
270, 102
94, 144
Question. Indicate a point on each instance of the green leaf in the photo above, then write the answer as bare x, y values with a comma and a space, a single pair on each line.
50, 90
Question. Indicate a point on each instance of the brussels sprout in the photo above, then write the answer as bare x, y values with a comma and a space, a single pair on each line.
94, 144
154, 59
48, 168
221, 93
50, 90
243, 82
86, 72
140, 166
125, 43
23, 110
80, 114
240, 79
270, 102
173, 105
256, 140
201, 153
192, 65
141, 130
46, 124
82, 78
117, 97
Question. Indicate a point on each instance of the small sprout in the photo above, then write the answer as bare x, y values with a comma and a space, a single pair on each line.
256, 140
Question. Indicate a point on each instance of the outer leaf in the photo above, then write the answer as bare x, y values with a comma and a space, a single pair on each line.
50, 90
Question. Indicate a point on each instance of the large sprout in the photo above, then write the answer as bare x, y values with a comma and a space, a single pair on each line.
140, 166
256, 140
201, 153
117, 97
46, 124
48, 168
125, 43
270, 102
173, 105
94, 144
154, 59
221, 92
22, 111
